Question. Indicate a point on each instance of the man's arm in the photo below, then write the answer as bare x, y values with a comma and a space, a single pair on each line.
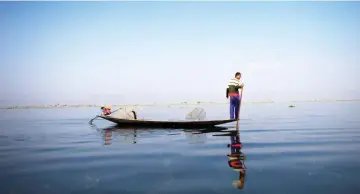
241, 84
227, 92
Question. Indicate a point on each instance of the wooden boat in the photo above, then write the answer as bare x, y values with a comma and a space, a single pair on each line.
167, 124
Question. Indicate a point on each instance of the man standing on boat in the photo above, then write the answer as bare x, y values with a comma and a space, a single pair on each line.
232, 91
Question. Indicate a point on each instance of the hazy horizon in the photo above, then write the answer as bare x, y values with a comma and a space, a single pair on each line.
144, 52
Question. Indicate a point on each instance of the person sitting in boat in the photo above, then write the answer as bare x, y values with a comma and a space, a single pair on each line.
106, 110
232, 91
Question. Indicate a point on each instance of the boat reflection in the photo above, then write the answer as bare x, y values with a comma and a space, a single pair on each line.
236, 158
130, 135
126, 135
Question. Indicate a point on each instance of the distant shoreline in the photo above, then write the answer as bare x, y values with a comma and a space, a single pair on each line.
168, 104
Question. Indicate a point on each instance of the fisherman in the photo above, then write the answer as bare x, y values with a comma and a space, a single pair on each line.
106, 110
232, 91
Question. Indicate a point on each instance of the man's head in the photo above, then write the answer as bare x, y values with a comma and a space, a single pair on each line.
237, 75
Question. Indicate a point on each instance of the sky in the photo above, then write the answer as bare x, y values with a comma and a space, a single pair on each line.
144, 52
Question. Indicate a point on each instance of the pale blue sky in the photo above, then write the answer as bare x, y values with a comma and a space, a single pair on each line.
139, 52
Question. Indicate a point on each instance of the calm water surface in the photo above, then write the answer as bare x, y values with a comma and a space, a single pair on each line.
313, 148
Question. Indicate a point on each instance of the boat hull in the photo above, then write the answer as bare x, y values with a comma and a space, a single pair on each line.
167, 124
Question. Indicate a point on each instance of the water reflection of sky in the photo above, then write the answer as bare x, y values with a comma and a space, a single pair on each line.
286, 152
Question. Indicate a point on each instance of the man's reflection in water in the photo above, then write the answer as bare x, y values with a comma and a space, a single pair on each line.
107, 137
237, 159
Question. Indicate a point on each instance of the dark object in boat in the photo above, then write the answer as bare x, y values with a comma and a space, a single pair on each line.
166, 124
292, 106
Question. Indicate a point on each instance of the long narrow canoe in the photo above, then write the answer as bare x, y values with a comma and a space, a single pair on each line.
166, 124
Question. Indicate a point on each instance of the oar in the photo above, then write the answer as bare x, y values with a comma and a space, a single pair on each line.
241, 97
91, 120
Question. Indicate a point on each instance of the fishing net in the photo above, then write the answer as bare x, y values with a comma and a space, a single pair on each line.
125, 113
198, 114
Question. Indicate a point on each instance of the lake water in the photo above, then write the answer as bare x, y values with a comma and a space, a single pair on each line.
312, 148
